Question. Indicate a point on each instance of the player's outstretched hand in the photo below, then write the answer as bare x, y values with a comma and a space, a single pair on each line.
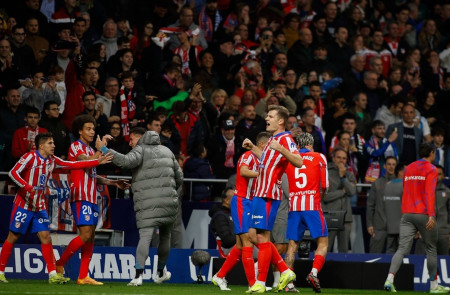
98, 143
105, 159
121, 183
247, 144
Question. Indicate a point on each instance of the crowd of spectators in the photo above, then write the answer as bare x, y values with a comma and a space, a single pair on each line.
370, 80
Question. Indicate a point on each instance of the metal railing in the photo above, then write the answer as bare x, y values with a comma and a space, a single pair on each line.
190, 180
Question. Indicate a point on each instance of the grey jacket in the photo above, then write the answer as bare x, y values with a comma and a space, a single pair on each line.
442, 208
339, 192
156, 180
376, 216
392, 200
37, 98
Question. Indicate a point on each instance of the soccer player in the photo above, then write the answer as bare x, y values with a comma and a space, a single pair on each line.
418, 215
241, 205
83, 198
31, 174
278, 152
306, 187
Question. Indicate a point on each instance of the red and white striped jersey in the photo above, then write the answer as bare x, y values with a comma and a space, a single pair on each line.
185, 56
245, 187
32, 171
84, 184
272, 165
306, 183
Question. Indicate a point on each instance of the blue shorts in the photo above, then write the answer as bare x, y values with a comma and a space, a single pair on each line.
241, 209
22, 219
264, 212
298, 221
84, 213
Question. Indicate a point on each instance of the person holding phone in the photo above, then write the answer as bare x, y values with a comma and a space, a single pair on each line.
36, 96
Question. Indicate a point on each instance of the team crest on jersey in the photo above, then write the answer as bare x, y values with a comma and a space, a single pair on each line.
17, 225
42, 180
131, 106
87, 217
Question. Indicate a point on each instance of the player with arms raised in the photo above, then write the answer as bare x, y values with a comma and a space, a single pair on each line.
31, 174
306, 188
279, 151
241, 206
83, 198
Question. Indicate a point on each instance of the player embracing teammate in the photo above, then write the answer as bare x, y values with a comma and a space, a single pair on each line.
307, 185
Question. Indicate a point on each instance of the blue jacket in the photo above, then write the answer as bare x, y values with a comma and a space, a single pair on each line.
198, 168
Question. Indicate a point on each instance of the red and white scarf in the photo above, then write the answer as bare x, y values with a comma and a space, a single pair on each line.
229, 153
127, 111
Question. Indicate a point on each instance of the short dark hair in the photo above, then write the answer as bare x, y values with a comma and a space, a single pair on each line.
315, 83
79, 121
123, 51
305, 110
399, 167
138, 131
348, 116
79, 19
203, 52
377, 123
153, 118
395, 100
198, 150
32, 110
391, 158
16, 27
42, 138
127, 75
83, 70
87, 93
437, 131
171, 67
263, 135
425, 149
47, 104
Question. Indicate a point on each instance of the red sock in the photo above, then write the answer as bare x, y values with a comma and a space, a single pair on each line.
49, 257
318, 262
5, 254
264, 258
71, 249
86, 255
231, 260
277, 260
249, 264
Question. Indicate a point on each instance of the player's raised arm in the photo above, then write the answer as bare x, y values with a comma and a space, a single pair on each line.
293, 157
248, 144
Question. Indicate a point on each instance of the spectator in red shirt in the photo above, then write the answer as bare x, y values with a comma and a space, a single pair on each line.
23, 139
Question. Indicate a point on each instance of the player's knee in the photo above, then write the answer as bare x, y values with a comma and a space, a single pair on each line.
12, 237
